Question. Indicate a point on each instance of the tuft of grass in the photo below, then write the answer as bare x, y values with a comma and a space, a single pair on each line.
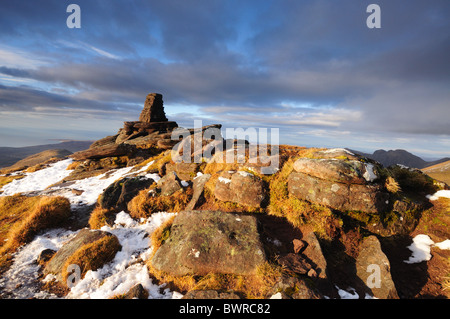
101, 217
251, 287
21, 218
93, 255
392, 185
161, 234
148, 201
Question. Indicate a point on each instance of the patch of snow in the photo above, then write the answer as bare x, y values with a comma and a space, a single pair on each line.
153, 176
276, 296
438, 194
334, 150
369, 174
421, 249
198, 175
184, 184
195, 252
21, 279
92, 187
224, 180
244, 173
128, 267
443, 244
39, 180
347, 295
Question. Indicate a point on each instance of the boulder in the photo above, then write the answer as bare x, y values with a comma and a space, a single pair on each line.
169, 184
202, 242
295, 263
241, 187
108, 150
339, 196
136, 292
185, 171
104, 141
198, 187
153, 109
373, 268
348, 172
45, 256
118, 194
84, 236
313, 253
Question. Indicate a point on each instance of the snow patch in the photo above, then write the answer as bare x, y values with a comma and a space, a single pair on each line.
128, 267
438, 194
184, 184
21, 280
244, 173
346, 294
39, 180
443, 244
421, 249
369, 174
224, 180
335, 150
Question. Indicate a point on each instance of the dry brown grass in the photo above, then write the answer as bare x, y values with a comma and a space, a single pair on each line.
392, 185
21, 218
93, 255
144, 204
251, 286
101, 217
161, 234
297, 212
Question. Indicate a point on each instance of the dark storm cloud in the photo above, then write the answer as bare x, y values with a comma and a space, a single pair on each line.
286, 62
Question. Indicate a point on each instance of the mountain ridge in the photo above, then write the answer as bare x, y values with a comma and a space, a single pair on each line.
399, 156
11, 155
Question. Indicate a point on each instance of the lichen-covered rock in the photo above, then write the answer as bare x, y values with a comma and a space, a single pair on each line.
348, 172
69, 249
241, 187
339, 196
118, 194
202, 242
169, 184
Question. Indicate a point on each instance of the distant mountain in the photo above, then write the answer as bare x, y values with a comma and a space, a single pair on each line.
393, 157
11, 155
38, 158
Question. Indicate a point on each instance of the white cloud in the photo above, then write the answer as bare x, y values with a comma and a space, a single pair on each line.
16, 58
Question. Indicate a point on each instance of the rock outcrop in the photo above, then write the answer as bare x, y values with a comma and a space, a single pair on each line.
341, 184
153, 130
153, 109
202, 242
241, 187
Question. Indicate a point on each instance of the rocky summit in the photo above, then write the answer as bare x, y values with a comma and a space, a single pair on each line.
161, 211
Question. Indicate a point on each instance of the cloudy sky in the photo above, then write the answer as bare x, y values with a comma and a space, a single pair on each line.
311, 68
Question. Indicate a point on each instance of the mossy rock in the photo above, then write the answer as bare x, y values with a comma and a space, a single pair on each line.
203, 242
